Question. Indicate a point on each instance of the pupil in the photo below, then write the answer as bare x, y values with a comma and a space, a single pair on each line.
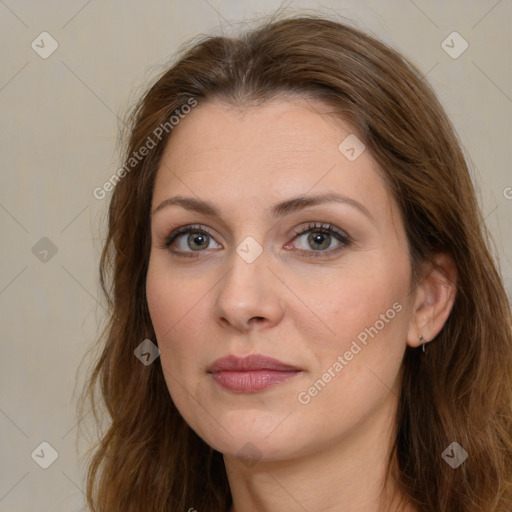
198, 239
317, 239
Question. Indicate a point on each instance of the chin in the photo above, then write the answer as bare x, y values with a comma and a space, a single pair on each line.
252, 450
229, 431
259, 437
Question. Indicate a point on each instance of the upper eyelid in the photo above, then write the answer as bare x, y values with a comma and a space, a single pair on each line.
327, 226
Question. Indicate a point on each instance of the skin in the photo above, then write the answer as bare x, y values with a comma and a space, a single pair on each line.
331, 453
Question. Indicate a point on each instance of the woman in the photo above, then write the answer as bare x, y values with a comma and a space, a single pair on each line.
295, 228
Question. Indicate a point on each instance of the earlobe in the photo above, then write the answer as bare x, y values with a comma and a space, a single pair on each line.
435, 297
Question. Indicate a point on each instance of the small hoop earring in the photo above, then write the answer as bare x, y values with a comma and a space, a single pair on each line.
422, 344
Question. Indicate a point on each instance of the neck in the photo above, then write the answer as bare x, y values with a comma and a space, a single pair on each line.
349, 473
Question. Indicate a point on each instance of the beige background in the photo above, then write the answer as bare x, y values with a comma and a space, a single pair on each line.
58, 139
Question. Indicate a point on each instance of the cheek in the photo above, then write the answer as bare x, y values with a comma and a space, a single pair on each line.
171, 298
177, 307
356, 299
366, 317
168, 309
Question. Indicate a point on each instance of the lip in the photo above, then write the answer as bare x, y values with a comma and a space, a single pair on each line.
252, 362
252, 373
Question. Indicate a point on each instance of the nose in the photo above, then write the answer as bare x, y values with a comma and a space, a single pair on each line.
249, 296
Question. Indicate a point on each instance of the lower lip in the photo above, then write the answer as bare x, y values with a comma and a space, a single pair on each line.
253, 380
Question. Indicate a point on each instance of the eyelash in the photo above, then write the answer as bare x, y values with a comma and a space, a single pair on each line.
329, 229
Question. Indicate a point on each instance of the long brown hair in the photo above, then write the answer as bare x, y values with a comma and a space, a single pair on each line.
459, 390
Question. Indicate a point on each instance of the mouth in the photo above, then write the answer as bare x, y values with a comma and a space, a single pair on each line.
251, 374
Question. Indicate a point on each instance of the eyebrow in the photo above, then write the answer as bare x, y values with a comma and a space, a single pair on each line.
278, 210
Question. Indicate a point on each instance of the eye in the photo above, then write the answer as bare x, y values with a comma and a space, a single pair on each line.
320, 237
318, 242
198, 238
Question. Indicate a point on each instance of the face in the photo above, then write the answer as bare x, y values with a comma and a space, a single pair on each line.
319, 285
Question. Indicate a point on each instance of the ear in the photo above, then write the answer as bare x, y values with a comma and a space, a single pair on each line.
434, 300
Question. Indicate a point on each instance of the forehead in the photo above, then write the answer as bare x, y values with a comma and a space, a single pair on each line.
269, 152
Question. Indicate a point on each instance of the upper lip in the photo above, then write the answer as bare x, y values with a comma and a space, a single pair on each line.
252, 362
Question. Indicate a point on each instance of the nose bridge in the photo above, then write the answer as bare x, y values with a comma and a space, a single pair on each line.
248, 290
246, 279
